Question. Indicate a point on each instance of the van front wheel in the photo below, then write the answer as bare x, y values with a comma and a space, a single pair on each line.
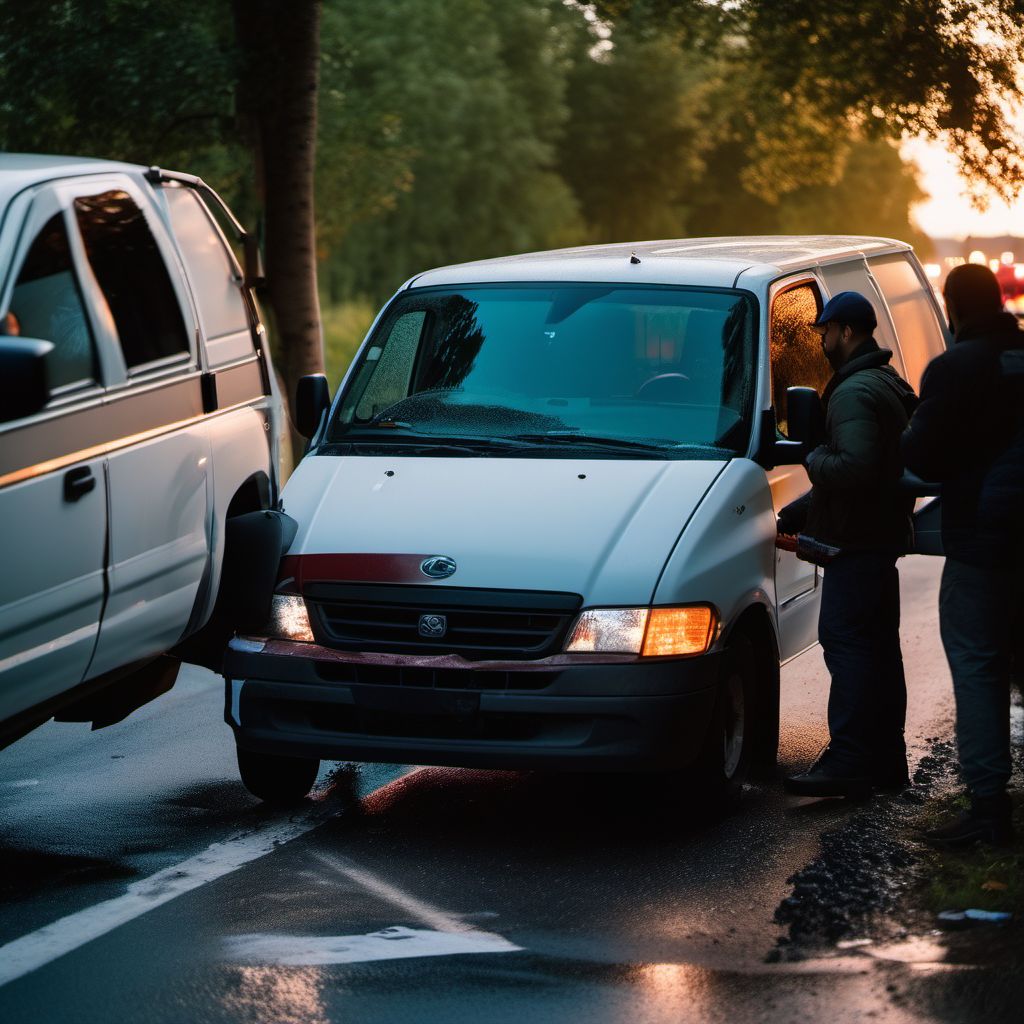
721, 766
276, 779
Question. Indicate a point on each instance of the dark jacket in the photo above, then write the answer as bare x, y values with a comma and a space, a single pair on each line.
855, 501
969, 415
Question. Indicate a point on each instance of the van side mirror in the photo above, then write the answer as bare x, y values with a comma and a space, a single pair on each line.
24, 382
771, 450
312, 400
805, 415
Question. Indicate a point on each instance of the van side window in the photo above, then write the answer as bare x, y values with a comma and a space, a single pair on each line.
216, 282
913, 314
132, 276
797, 359
390, 369
47, 304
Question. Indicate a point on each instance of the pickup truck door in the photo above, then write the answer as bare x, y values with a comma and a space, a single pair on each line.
158, 471
52, 477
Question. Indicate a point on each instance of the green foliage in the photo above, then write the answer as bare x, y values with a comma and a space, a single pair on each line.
634, 141
902, 65
472, 96
344, 326
872, 194
871, 197
817, 74
146, 83
980, 876
452, 130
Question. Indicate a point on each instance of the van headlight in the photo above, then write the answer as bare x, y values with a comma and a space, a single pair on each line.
649, 632
289, 619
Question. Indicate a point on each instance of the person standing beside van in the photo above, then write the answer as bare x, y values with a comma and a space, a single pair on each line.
963, 436
856, 523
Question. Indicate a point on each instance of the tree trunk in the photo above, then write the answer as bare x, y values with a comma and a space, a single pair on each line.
279, 44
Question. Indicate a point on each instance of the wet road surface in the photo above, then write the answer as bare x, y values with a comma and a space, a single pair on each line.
139, 881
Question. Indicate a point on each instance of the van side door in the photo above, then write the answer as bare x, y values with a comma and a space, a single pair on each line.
922, 333
53, 498
854, 275
796, 361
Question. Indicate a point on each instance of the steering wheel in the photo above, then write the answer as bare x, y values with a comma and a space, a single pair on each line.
665, 387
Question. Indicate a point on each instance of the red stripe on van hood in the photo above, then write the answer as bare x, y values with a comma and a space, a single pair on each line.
350, 568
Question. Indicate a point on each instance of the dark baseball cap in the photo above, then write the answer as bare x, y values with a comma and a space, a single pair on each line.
848, 308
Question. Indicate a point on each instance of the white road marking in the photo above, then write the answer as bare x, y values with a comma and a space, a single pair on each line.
445, 935
390, 944
22, 784
30, 952
38, 948
426, 914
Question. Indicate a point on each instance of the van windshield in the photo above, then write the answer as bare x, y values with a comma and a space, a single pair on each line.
620, 367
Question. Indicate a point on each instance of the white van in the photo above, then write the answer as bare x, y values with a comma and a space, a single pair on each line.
537, 525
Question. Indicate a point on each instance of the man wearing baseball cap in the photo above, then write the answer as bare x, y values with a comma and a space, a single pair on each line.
857, 524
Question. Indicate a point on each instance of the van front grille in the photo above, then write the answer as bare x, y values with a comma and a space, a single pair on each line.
477, 624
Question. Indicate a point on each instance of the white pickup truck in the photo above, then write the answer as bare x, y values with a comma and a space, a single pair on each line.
138, 435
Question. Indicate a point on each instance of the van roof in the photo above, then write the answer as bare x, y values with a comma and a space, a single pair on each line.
712, 262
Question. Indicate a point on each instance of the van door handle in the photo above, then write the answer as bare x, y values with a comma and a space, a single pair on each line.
78, 483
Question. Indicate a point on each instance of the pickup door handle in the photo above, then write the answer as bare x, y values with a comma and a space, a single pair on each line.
78, 482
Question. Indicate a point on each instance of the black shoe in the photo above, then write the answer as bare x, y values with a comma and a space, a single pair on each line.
890, 783
988, 821
822, 780
891, 780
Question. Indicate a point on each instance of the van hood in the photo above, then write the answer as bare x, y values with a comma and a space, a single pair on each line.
599, 528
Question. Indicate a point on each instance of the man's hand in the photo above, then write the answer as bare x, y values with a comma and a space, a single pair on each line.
815, 454
792, 517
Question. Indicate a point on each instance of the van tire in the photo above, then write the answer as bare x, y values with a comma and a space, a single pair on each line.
721, 766
276, 779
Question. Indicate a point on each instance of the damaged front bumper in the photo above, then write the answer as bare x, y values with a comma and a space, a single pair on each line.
570, 711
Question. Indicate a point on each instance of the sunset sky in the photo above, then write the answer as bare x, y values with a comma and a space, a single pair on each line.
949, 213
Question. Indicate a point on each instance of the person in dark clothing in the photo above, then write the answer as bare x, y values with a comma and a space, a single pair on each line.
966, 435
860, 520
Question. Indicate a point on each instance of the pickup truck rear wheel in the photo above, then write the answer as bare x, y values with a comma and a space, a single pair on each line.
723, 762
275, 778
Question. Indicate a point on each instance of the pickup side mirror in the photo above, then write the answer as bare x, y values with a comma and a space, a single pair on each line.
805, 415
24, 382
254, 273
312, 400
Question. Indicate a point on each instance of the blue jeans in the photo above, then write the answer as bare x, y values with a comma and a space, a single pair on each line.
976, 611
859, 632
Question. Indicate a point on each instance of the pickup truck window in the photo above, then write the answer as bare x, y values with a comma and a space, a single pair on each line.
47, 304
796, 355
132, 276
216, 281
669, 366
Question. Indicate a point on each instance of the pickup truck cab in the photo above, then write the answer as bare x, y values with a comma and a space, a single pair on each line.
537, 524
138, 431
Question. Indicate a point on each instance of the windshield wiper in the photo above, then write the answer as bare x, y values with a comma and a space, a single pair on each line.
594, 441
465, 442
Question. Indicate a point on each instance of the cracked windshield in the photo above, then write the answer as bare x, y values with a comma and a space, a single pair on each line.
664, 369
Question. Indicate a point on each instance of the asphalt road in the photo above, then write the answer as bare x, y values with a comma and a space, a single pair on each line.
139, 882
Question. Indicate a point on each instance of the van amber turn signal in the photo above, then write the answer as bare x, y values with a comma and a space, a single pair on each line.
679, 631
651, 632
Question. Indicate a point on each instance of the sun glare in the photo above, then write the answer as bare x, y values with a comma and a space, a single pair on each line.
948, 211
